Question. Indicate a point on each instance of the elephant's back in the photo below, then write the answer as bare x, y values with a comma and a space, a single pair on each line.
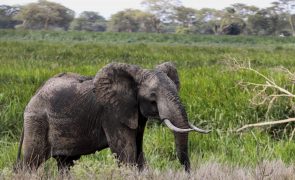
59, 93
61, 85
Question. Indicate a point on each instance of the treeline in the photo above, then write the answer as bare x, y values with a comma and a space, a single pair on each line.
162, 16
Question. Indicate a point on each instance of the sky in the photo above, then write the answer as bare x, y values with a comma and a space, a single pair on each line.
108, 7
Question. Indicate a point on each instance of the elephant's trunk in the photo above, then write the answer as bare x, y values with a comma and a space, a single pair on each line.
174, 116
181, 145
181, 138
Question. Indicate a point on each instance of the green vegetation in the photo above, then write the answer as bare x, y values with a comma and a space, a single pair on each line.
158, 16
143, 38
161, 16
209, 90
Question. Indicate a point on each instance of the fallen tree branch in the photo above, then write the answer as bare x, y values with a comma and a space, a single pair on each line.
269, 83
265, 124
265, 94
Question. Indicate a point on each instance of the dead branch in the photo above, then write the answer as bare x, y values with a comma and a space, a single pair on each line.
265, 93
265, 124
269, 83
262, 95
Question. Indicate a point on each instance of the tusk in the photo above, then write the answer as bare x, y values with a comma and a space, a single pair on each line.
174, 128
198, 129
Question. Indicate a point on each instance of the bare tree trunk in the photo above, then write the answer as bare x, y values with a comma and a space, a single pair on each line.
25, 24
46, 23
291, 24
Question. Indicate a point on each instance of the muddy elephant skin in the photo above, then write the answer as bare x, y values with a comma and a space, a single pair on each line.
73, 115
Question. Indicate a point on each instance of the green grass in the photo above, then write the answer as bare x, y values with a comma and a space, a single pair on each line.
131, 38
208, 89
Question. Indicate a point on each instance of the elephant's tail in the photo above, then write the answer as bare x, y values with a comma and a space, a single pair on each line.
17, 165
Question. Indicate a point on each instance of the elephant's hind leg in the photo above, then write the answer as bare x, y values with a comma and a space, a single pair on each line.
36, 147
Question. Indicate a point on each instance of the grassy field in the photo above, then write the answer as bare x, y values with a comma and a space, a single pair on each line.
209, 91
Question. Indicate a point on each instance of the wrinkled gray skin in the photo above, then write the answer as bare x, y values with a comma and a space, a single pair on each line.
73, 115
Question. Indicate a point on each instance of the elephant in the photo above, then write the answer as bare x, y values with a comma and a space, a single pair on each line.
73, 115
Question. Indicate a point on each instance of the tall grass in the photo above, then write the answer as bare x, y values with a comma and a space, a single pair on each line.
208, 89
131, 38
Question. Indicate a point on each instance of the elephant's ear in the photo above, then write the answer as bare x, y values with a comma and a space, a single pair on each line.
171, 71
116, 88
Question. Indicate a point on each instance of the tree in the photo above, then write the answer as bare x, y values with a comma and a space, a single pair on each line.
45, 15
185, 16
231, 23
286, 9
266, 22
244, 11
124, 21
212, 21
163, 9
148, 22
6, 16
89, 21
133, 20
206, 19
259, 23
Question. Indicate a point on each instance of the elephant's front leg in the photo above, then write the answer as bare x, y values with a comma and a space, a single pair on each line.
122, 142
139, 142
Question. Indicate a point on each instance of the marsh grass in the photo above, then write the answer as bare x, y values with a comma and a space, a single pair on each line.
209, 92
136, 38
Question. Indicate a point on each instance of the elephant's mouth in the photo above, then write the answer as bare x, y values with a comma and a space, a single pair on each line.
154, 116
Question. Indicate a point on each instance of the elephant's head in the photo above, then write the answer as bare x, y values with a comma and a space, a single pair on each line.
155, 92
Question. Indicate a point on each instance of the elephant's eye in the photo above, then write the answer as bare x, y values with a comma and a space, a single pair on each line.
153, 94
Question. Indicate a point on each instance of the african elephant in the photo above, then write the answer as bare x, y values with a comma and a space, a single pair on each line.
73, 115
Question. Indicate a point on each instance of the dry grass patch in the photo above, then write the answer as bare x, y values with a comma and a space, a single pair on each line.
275, 170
